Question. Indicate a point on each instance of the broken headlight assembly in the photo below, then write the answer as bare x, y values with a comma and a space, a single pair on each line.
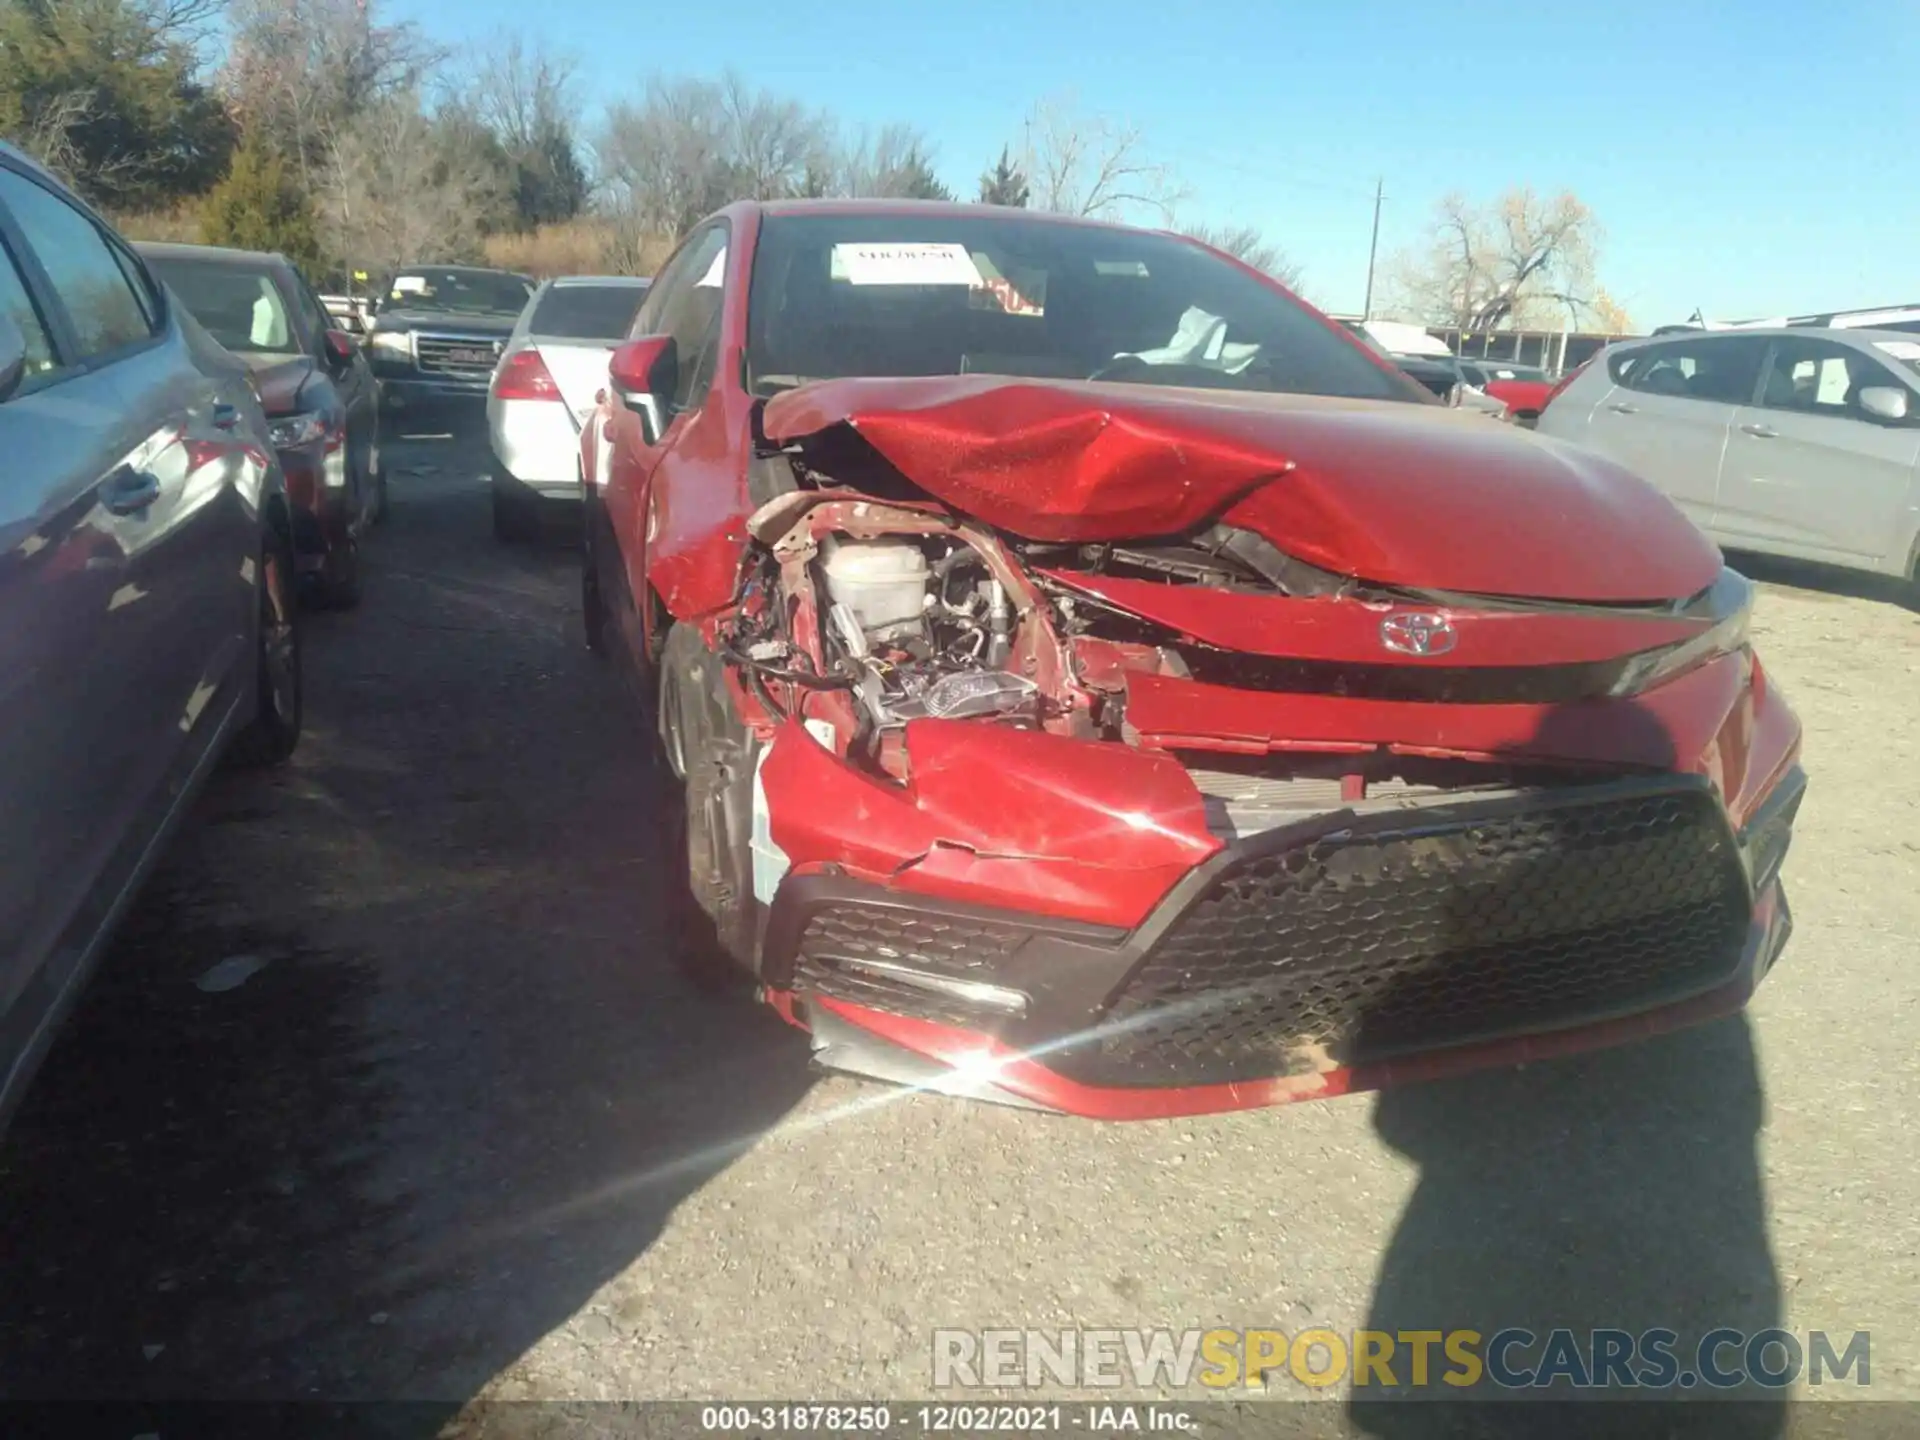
1731, 600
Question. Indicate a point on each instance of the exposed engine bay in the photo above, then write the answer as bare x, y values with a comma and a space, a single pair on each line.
870, 616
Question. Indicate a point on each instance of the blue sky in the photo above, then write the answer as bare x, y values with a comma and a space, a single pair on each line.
1751, 159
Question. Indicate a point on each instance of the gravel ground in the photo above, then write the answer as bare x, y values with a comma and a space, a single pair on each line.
464, 1132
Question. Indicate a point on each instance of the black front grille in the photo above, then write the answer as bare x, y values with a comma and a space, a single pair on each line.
838, 937
453, 355
1449, 926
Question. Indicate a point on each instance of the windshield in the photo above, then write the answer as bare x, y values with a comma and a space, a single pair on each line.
837, 295
239, 306
462, 292
586, 312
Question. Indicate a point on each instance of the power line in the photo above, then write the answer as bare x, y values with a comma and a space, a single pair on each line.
1261, 172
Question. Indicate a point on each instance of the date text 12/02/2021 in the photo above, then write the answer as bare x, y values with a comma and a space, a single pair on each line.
949, 1419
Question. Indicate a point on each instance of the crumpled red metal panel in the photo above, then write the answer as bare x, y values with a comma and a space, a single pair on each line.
996, 816
1348, 630
1409, 495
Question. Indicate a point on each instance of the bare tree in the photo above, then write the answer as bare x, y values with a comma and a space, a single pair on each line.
522, 95
398, 191
300, 72
1523, 260
664, 159
516, 89
1247, 244
49, 133
183, 22
691, 145
769, 141
1094, 166
895, 162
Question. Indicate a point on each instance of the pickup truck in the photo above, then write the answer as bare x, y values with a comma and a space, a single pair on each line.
438, 331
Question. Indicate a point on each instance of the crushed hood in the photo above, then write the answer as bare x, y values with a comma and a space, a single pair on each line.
1400, 494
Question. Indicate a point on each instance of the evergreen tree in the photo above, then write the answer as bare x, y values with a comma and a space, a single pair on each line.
259, 206
1005, 184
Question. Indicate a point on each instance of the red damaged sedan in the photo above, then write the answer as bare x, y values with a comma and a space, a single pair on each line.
1100, 683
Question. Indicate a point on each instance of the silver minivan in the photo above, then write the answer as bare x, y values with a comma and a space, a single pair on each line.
147, 621
1800, 442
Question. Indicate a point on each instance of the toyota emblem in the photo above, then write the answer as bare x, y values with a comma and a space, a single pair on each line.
1412, 632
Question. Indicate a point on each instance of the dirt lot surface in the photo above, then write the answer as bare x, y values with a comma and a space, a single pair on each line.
463, 1130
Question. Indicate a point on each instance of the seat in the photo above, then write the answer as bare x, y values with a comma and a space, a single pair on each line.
1780, 393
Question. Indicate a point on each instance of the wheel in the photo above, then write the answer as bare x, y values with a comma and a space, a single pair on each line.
706, 762
274, 731
514, 518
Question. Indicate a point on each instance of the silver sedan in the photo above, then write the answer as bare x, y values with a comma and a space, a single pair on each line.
147, 625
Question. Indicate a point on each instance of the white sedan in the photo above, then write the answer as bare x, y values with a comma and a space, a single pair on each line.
1798, 441
553, 365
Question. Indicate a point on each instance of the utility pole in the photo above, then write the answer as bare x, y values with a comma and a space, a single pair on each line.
1373, 248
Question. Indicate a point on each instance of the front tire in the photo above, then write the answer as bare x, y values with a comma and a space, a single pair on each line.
274, 732
705, 762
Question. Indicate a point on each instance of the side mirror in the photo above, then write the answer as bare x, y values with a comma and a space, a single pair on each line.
340, 349
13, 355
1885, 402
643, 372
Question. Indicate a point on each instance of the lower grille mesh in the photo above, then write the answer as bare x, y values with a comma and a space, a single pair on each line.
1456, 925
955, 948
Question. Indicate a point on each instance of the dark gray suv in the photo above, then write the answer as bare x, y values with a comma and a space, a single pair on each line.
147, 624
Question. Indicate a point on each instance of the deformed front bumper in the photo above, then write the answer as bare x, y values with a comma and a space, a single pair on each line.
1343, 953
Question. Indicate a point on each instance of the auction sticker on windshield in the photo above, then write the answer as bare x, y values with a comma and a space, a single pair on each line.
904, 264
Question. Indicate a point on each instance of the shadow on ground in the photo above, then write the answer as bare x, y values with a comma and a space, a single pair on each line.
1619, 1190
1827, 580
390, 1070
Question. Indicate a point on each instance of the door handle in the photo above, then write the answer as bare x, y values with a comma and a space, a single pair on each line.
1620, 409
128, 491
225, 416
1760, 432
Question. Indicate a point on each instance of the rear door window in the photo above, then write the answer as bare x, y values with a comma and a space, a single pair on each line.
239, 305
1723, 369
1820, 377
93, 285
586, 312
